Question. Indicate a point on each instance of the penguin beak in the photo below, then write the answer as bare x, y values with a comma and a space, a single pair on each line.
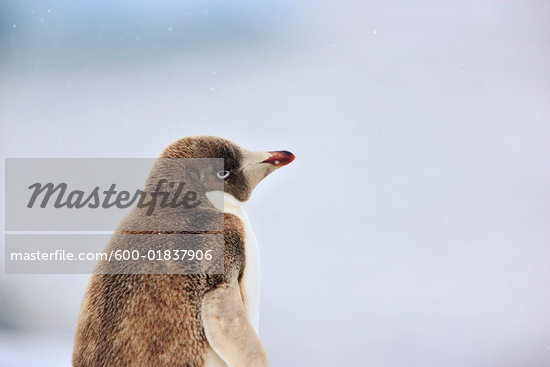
258, 165
279, 158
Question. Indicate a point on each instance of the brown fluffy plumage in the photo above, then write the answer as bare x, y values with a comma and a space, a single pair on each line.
151, 319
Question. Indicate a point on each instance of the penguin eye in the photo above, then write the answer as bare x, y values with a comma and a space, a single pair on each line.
222, 174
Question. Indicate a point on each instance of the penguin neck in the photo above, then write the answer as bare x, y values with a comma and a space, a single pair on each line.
229, 204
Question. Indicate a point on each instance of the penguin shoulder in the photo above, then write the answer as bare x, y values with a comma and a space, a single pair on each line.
234, 253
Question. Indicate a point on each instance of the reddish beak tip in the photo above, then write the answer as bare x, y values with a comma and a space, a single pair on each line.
280, 158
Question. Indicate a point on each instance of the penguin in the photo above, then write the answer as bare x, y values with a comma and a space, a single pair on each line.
185, 320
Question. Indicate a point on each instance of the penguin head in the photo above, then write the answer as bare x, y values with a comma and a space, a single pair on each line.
243, 169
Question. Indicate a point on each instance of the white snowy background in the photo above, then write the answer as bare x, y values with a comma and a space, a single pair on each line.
413, 227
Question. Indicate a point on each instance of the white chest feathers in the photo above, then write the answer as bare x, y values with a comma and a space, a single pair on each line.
250, 282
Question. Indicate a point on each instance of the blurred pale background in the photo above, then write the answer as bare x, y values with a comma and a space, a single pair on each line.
413, 227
